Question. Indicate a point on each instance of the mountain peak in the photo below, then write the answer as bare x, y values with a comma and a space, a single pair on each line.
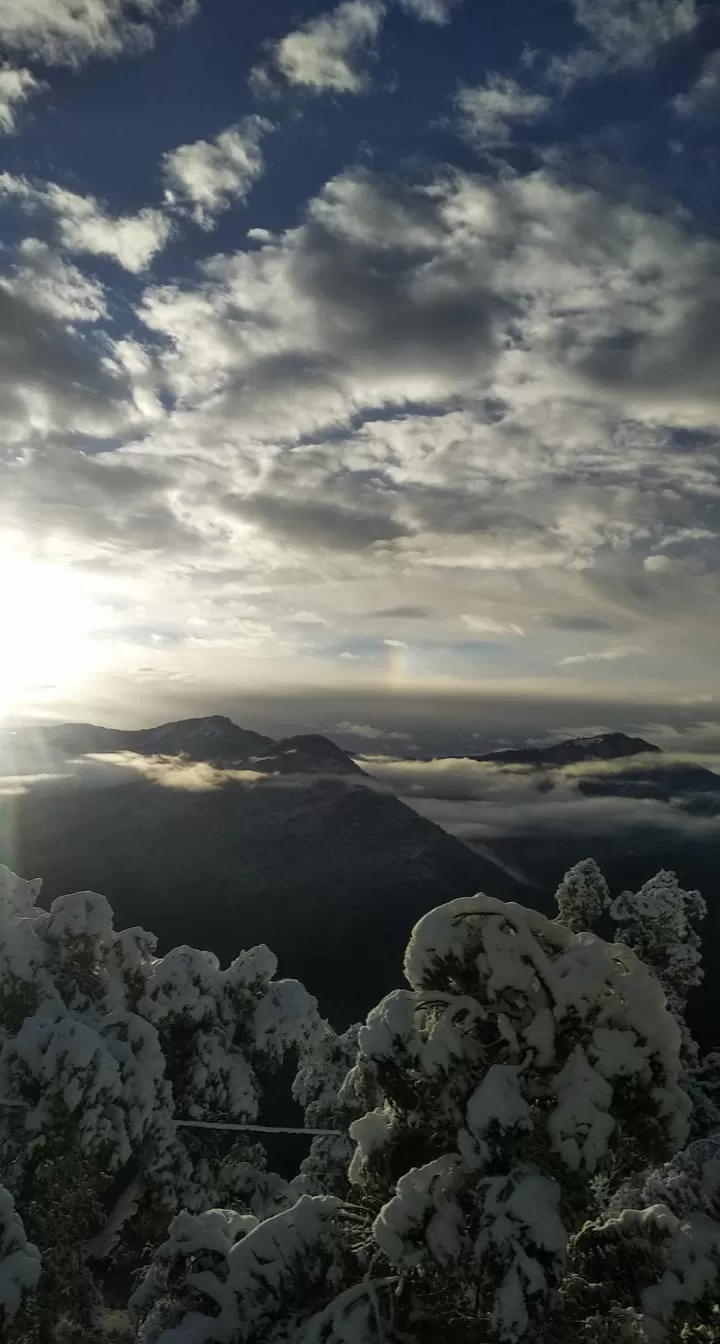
574, 750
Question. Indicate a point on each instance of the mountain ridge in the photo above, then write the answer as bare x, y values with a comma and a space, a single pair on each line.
214, 739
574, 751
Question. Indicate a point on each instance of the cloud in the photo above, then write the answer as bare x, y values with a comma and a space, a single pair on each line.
16, 86
657, 564
314, 523
482, 802
324, 55
68, 32
307, 618
623, 34
42, 279
84, 225
428, 399
704, 96
48, 375
575, 815
483, 625
401, 613
490, 113
633, 31
604, 656
367, 731
559, 621
395, 644
208, 176
430, 11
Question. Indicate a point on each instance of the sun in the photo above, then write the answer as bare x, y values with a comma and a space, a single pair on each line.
46, 620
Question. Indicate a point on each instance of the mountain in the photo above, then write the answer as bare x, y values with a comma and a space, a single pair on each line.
602, 747
640, 770
215, 739
331, 872
310, 754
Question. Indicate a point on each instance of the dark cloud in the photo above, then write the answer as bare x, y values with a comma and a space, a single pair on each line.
39, 356
683, 361
92, 500
580, 623
312, 523
407, 613
370, 300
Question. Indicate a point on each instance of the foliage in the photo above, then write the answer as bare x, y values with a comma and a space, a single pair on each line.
582, 897
102, 1046
506, 1148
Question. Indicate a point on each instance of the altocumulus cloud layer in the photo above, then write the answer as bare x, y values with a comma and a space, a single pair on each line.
443, 414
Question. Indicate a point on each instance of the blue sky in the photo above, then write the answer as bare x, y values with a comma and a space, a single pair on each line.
373, 345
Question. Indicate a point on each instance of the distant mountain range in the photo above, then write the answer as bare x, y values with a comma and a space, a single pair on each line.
296, 846
601, 747
214, 739
316, 859
640, 770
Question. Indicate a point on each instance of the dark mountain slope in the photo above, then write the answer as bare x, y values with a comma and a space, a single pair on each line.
332, 876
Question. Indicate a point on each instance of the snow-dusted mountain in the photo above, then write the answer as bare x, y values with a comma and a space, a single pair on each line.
601, 747
214, 739
316, 860
639, 769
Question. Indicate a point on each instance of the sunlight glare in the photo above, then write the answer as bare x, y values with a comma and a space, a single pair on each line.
46, 618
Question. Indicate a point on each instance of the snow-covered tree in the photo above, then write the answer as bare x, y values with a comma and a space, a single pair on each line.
659, 923
224, 1277
582, 897
318, 1088
649, 1268
523, 1061
19, 1260
505, 1160
104, 1047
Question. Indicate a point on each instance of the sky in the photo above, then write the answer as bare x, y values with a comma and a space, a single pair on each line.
360, 357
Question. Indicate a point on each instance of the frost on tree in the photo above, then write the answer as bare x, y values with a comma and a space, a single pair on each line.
659, 923
19, 1260
221, 1277
582, 897
102, 1047
523, 1063
318, 1087
652, 1261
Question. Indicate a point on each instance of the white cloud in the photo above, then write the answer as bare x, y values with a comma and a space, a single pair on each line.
324, 54
16, 86
622, 33
430, 11
605, 656
366, 730
395, 644
657, 564
68, 32
547, 331
307, 618
84, 225
490, 112
483, 625
634, 30
207, 176
704, 96
42, 279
